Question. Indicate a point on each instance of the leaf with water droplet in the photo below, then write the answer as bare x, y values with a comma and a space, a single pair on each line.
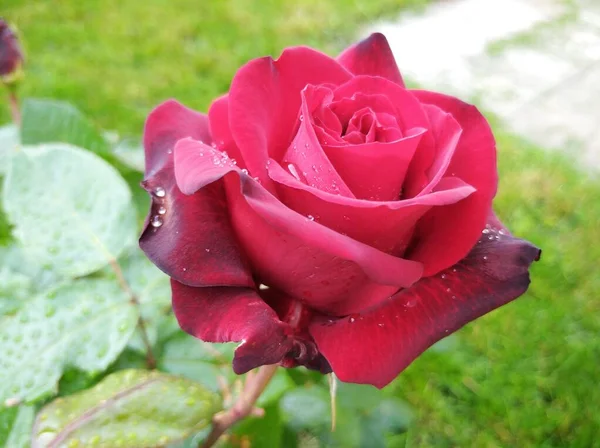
82, 333
15, 426
199, 361
153, 291
71, 210
129, 408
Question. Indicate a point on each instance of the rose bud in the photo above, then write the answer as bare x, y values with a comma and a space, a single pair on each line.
324, 215
11, 56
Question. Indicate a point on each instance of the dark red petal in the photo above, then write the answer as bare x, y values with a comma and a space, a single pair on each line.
167, 123
372, 56
457, 228
264, 102
374, 347
190, 237
224, 314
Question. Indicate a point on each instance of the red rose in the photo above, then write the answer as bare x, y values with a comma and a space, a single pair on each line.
364, 207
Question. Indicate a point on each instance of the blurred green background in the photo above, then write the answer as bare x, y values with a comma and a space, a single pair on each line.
525, 375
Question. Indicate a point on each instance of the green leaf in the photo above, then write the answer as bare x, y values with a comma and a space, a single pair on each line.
153, 290
13, 259
9, 141
15, 427
306, 408
259, 432
84, 324
72, 211
130, 408
279, 384
50, 121
189, 357
14, 289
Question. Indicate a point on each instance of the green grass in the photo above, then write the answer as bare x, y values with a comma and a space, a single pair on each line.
525, 375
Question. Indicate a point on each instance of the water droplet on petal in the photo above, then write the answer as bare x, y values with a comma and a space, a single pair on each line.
443, 276
485, 231
156, 221
160, 192
352, 320
162, 210
207, 250
310, 217
244, 170
485, 257
293, 171
301, 117
306, 145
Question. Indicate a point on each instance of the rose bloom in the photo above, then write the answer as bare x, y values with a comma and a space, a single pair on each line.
324, 215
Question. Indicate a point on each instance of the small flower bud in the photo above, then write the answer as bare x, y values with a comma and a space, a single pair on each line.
11, 55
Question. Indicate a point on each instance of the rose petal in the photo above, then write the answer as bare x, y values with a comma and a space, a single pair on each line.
374, 347
372, 56
457, 228
264, 102
386, 226
288, 250
218, 116
190, 237
375, 171
308, 158
223, 314
166, 124
408, 110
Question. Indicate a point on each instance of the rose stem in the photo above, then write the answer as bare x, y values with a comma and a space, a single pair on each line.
332, 395
150, 360
244, 406
14, 106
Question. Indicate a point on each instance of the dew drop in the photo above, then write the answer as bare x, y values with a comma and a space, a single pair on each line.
301, 117
454, 270
306, 145
184, 269
380, 325
162, 210
244, 170
310, 217
352, 320
293, 170
156, 221
491, 237
485, 257
233, 162
443, 276
453, 297
160, 192
485, 231
269, 162
169, 151
207, 250
448, 290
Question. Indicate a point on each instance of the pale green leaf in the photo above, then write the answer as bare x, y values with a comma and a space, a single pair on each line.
306, 408
153, 291
71, 210
9, 141
189, 357
130, 408
84, 324
50, 121
16, 427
